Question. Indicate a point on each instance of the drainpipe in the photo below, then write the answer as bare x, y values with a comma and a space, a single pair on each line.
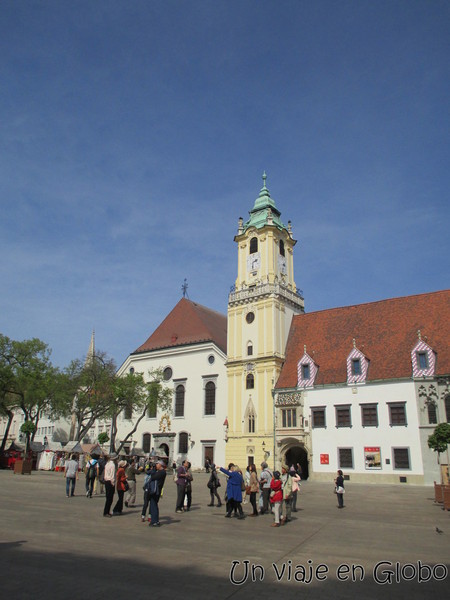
274, 425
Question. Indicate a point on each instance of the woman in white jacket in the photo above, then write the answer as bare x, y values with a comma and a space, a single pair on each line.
295, 486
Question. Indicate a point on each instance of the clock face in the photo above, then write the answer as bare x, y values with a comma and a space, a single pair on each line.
282, 265
253, 261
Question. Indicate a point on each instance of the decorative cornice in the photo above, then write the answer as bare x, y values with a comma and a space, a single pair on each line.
289, 399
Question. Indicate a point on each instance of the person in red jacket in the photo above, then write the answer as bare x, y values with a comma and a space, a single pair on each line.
121, 480
276, 497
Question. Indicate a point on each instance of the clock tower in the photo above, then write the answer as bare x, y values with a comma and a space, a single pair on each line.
260, 309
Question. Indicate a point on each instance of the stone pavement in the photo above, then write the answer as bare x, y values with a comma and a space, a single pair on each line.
55, 547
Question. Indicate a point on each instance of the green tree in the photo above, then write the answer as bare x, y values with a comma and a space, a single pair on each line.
28, 381
136, 397
440, 439
89, 392
29, 429
103, 438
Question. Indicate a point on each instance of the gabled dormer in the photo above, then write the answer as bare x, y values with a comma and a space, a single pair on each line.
357, 366
306, 371
423, 359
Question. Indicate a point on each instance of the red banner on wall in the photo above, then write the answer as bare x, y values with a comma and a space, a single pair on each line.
324, 459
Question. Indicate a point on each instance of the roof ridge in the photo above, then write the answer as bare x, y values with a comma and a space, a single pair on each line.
372, 302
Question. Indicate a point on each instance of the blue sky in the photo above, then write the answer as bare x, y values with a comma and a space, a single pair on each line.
133, 135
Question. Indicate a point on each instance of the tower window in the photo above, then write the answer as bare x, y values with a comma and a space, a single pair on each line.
250, 382
306, 371
253, 245
250, 350
250, 317
251, 423
282, 248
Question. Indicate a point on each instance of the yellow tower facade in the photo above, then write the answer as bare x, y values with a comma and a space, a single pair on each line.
260, 309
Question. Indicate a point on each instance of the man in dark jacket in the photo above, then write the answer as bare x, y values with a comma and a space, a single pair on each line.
158, 476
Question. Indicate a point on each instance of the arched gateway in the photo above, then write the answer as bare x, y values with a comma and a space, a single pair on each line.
292, 452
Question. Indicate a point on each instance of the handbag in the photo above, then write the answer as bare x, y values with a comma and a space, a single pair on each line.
126, 487
339, 490
248, 490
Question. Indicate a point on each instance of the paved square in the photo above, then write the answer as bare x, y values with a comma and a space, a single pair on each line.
55, 547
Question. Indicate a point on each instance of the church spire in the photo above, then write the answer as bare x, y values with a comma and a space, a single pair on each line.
91, 351
264, 211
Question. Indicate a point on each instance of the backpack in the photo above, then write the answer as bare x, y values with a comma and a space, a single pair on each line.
146, 482
92, 471
151, 485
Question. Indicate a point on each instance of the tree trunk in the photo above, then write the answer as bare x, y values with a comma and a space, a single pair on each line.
130, 434
113, 432
8, 427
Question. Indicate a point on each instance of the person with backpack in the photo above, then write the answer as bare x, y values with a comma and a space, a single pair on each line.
99, 487
286, 485
91, 474
181, 478
213, 484
155, 486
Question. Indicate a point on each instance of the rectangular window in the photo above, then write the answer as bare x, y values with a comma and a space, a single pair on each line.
422, 360
318, 417
306, 373
289, 417
343, 416
397, 414
356, 366
369, 415
401, 458
345, 458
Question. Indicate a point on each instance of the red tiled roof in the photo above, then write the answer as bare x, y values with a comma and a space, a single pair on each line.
385, 332
188, 323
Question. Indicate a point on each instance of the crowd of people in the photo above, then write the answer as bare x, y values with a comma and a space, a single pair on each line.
269, 492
